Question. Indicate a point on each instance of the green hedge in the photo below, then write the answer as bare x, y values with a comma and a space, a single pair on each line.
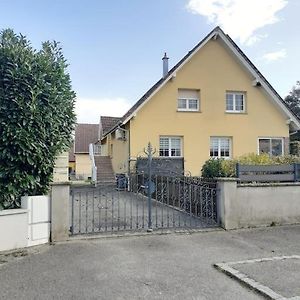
227, 168
36, 115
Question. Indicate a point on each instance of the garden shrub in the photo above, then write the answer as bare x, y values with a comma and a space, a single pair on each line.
36, 115
227, 168
212, 168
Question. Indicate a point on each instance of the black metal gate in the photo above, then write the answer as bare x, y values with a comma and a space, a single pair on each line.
140, 204
145, 200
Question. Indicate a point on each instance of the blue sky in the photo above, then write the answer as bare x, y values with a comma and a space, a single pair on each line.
114, 48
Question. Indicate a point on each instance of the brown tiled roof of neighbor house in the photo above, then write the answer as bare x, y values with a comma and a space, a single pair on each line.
108, 122
160, 82
85, 134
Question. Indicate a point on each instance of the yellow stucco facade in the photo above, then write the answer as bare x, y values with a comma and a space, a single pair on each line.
83, 166
212, 71
117, 150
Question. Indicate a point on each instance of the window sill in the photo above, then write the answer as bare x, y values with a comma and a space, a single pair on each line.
236, 112
170, 157
188, 111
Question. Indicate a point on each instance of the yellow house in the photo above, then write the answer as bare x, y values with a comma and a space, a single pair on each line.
212, 103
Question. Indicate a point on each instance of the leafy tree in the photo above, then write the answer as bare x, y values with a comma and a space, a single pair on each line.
36, 115
293, 102
293, 99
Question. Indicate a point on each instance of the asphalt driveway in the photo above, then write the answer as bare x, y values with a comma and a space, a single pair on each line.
172, 266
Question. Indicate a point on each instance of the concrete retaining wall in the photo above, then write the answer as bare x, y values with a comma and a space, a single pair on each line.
250, 205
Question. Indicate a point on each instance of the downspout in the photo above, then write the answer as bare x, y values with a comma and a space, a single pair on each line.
294, 132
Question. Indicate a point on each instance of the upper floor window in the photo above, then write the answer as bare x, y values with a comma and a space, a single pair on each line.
188, 100
170, 146
235, 102
271, 146
220, 147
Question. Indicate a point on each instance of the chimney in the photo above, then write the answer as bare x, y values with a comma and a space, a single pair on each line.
165, 65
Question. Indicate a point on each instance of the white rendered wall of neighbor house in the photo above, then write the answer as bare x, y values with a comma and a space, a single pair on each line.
13, 229
38, 221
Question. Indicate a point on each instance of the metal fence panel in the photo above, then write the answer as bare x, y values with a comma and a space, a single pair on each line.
266, 168
268, 173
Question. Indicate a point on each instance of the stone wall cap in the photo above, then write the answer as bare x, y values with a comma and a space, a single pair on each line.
268, 184
61, 183
13, 211
222, 179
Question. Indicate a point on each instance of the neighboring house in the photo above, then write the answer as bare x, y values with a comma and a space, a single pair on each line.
85, 134
72, 160
212, 103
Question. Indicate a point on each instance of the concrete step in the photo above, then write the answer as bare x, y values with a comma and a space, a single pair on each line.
106, 182
105, 173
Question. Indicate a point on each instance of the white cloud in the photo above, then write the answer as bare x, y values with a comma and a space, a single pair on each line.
89, 110
276, 55
239, 18
255, 38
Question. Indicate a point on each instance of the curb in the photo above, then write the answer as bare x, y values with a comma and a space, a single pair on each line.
251, 283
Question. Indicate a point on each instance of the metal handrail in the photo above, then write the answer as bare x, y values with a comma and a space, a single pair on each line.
94, 167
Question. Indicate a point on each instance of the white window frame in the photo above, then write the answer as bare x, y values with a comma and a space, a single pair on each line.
270, 140
219, 146
187, 102
170, 149
234, 94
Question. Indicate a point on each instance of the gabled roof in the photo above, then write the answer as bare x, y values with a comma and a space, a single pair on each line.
106, 123
244, 60
85, 134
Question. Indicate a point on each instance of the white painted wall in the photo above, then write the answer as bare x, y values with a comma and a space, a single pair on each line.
26, 226
251, 205
38, 219
13, 229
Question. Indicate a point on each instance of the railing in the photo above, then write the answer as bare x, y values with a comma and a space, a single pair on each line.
94, 167
268, 173
97, 149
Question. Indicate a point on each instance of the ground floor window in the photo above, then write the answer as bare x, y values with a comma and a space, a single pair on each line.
170, 146
220, 147
271, 146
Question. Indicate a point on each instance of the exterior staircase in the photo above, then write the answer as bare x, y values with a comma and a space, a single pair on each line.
105, 173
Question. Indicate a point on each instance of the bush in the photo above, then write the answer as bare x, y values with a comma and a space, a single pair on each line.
36, 115
213, 168
227, 168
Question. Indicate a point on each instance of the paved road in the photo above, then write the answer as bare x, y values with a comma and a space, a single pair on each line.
173, 266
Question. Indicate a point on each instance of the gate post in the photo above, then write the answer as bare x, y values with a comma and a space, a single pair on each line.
226, 201
60, 201
149, 153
